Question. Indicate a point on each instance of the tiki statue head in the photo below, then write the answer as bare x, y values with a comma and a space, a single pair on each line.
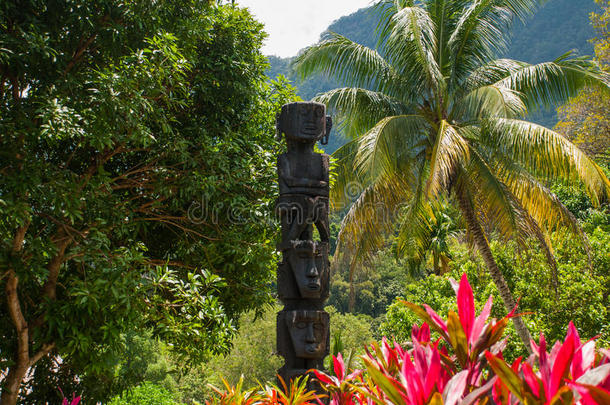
309, 263
308, 332
304, 122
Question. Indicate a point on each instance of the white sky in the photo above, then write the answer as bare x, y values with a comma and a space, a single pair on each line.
295, 24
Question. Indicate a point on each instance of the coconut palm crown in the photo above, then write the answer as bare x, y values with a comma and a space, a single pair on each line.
433, 115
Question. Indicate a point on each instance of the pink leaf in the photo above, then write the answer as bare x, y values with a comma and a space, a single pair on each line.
339, 366
419, 360
433, 375
455, 388
479, 323
595, 376
588, 354
572, 331
421, 334
531, 379
465, 300
412, 381
561, 364
389, 355
437, 319
578, 366
355, 374
323, 377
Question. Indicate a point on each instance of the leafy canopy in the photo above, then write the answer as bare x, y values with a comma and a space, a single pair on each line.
137, 163
432, 113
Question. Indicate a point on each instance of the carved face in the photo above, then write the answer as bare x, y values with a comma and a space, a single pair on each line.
303, 122
308, 332
309, 265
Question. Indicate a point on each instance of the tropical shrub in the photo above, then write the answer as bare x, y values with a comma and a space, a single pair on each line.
459, 360
582, 296
145, 394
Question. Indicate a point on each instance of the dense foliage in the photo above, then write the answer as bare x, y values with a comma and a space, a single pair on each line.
137, 162
461, 363
434, 117
585, 119
137, 165
150, 364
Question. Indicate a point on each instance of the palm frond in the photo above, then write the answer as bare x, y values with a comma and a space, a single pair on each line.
547, 154
411, 47
450, 150
357, 110
351, 63
552, 83
346, 184
489, 101
539, 201
503, 210
490, 73
416, 223
371, 217
480, 34
445, 14
391, 145
494, 199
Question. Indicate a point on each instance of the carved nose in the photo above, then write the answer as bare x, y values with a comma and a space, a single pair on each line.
310, 337
312, 272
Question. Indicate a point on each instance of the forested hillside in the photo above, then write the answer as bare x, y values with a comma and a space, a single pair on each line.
559, 26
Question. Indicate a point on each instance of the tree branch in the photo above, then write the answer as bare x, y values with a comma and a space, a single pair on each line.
46, 349
50, 286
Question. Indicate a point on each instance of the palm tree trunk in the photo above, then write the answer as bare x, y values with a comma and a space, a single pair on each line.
480, 241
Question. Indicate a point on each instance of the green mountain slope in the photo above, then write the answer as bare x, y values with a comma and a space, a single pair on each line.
559, 26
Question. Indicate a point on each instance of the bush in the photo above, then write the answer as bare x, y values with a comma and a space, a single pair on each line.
145, 394
582, 295
464, 365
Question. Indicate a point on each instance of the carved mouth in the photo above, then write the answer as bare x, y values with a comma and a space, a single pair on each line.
313, 286
311, 347
310, 130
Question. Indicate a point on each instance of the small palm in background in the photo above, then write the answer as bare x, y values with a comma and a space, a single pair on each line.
433, 242
433, 115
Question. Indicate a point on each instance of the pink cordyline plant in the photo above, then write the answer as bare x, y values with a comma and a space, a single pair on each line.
465, 366
572, 373
340, 385
75, 400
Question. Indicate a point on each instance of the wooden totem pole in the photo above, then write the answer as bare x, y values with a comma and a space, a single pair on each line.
303, 327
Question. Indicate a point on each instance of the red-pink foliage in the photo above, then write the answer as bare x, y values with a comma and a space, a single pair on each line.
465, 365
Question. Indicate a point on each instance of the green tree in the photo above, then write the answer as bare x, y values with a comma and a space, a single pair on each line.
370, 288
137, 163
583, 298
145, 394
585, 119
434, 114
141, 358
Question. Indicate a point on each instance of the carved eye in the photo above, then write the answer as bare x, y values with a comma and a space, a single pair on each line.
319, 112
304, 112
318, 327
301, 325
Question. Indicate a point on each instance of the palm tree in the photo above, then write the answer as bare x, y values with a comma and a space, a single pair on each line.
432, 114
